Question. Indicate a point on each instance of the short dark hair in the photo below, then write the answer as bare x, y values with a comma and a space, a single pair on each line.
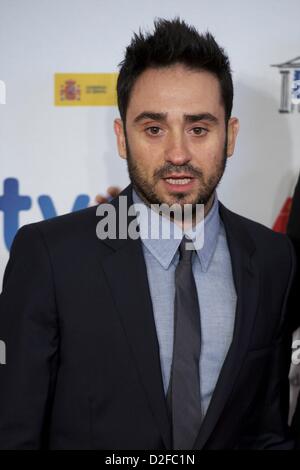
173, 41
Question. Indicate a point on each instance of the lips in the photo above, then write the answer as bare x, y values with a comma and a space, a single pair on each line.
179, 179
179, 183
178, 176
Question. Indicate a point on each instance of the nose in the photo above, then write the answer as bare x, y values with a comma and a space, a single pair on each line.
176, 151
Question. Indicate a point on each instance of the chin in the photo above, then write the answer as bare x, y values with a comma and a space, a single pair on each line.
181, 199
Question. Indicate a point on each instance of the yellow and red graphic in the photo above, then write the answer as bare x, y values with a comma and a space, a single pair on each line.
85, 89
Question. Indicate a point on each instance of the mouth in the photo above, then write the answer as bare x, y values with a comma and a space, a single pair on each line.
179, 182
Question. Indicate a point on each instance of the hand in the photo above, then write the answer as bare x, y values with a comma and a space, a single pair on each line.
111, 192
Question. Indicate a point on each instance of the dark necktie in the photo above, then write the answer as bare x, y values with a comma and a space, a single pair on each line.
183, 397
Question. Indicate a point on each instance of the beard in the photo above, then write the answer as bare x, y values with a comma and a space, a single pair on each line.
146, 188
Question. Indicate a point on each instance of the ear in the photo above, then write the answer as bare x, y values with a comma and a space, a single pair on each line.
232, 132
120, 134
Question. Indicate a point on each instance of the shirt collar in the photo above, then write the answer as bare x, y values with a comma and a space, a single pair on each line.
166, 250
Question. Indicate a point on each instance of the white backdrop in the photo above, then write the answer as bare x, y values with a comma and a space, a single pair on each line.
66, 151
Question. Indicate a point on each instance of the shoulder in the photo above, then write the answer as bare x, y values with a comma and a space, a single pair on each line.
78, 220
62, 231
79, 225
259, 233
274, 249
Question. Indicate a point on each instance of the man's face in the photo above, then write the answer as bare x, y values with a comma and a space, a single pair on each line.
176, 142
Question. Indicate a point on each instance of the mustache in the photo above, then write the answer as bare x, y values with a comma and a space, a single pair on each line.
165, 170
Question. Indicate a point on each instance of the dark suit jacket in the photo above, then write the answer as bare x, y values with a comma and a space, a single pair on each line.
83, 368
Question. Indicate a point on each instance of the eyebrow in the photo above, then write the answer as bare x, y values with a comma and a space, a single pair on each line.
162, 117
201, 117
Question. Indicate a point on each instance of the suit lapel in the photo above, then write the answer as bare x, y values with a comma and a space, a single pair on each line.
246, 280
126, 275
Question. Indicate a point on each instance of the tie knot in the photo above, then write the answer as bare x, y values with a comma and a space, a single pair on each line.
186, 250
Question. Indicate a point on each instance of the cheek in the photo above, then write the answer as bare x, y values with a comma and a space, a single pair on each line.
207, 159
210, 152
139, 148
146, 155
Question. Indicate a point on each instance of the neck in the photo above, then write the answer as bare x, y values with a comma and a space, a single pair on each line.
187, 224
209, 204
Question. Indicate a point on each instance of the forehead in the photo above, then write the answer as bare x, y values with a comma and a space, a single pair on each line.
177, 90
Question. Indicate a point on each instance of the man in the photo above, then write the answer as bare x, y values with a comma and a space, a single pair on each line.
293, 231
132, 342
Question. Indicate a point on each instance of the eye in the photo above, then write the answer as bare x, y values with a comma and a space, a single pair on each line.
199, 130
153, 130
